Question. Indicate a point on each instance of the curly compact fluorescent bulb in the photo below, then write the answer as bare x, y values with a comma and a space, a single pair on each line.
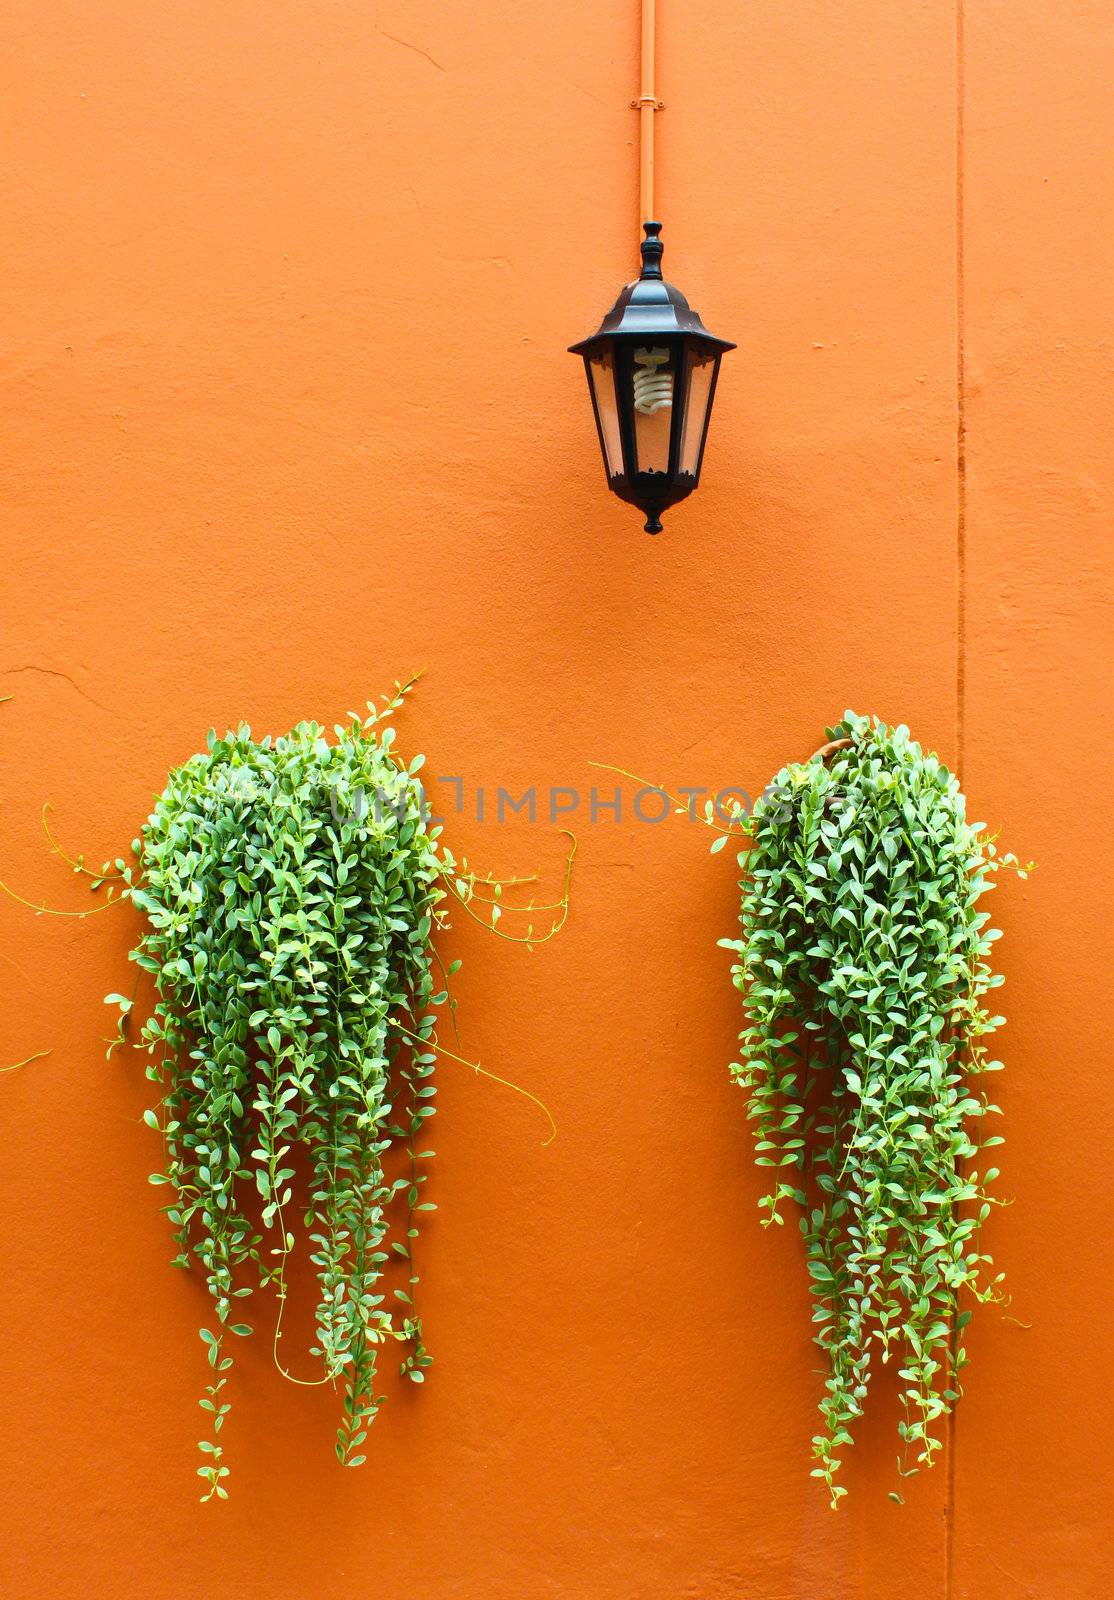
653, 390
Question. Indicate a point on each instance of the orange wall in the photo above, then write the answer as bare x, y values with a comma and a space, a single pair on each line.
287, 414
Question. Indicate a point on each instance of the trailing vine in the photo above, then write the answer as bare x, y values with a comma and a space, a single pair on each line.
863, 963
292, 890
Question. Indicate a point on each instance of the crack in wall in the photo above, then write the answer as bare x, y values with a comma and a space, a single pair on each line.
55, 672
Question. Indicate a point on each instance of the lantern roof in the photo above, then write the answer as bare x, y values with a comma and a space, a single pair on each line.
651, 308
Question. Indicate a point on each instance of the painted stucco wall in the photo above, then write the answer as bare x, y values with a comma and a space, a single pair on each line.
286, 415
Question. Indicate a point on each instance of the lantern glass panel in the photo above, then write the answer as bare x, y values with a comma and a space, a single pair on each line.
654, 370
702, 372
601, 375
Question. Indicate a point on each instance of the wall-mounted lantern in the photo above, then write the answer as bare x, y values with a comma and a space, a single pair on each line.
652, 369
652, 365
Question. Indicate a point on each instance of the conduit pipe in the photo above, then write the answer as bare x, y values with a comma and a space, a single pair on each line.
647, 104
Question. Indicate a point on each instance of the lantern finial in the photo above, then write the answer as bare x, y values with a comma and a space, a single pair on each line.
652, 251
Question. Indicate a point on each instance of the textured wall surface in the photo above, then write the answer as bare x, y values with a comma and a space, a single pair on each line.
287, 414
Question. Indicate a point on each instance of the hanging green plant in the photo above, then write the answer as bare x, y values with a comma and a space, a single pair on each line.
863, 966
292, 890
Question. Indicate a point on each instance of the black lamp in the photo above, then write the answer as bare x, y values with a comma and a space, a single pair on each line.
652, 370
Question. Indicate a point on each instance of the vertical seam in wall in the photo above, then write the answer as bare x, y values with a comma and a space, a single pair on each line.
960, 400
960, 626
